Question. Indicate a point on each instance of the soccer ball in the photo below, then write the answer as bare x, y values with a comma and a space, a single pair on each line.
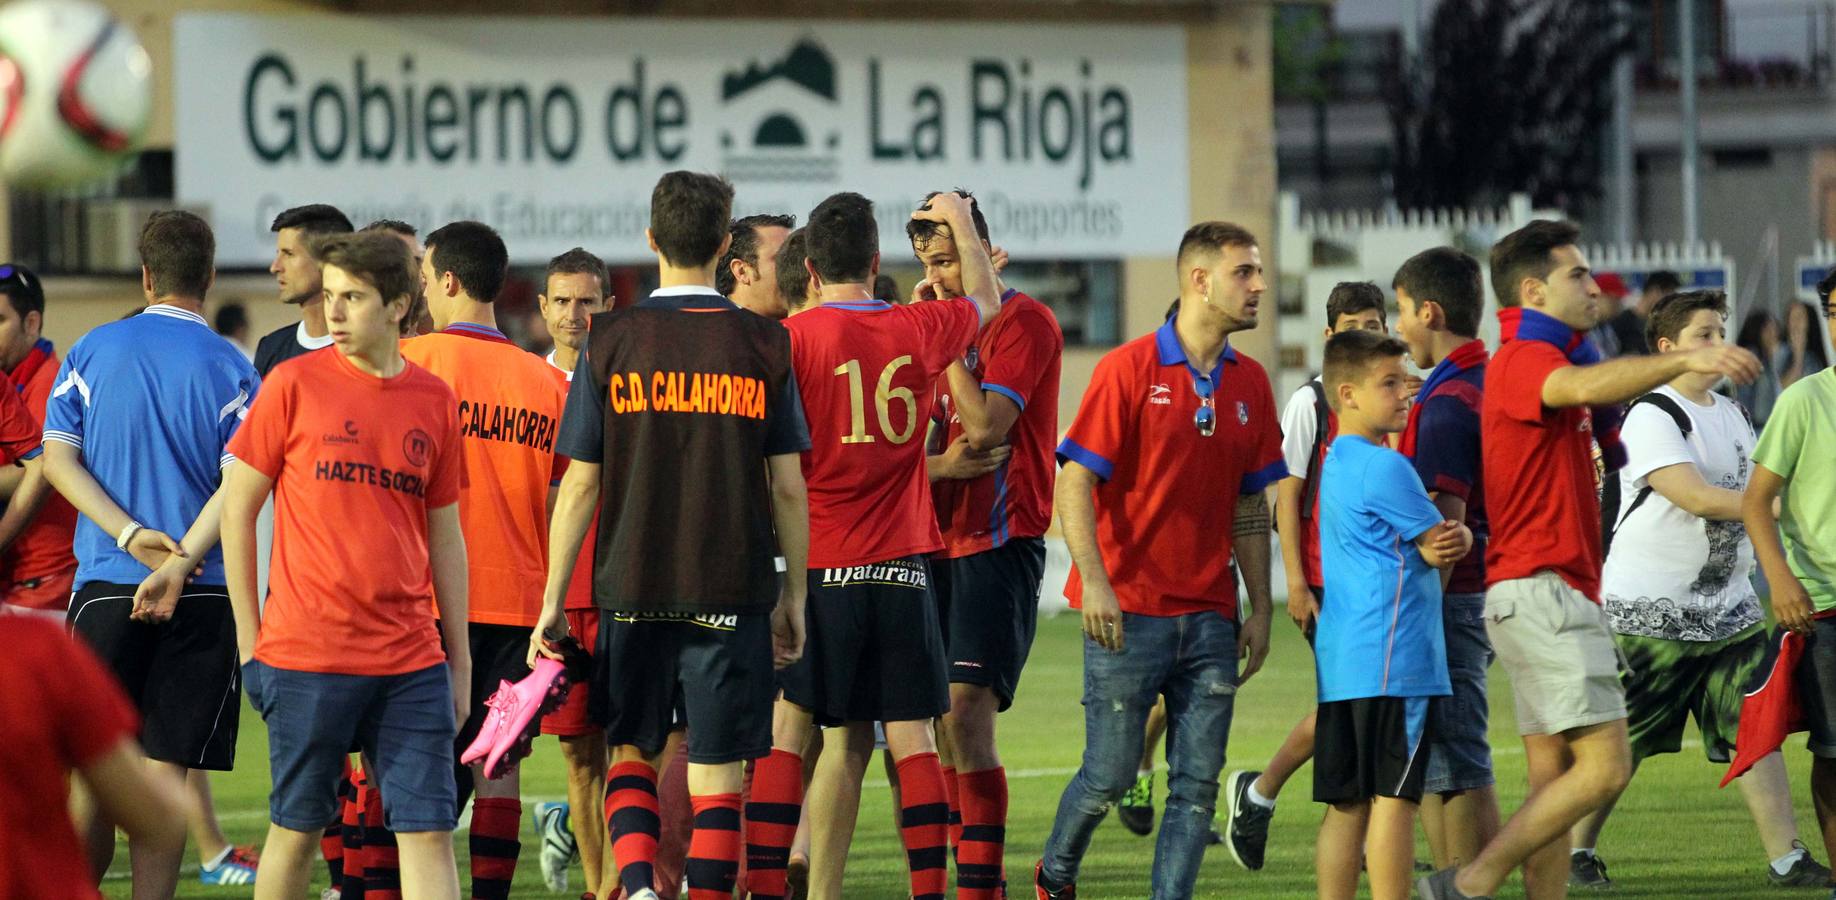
75, 93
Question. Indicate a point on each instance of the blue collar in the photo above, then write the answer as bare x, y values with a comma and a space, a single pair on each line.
859, 305
472, 328
1008, 294
689, 297
1172, 354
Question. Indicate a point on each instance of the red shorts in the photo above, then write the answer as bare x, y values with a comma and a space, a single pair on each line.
571, 719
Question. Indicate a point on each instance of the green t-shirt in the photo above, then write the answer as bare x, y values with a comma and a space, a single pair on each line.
1799, 444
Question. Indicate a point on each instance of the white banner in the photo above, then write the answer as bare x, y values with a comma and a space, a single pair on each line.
554, 130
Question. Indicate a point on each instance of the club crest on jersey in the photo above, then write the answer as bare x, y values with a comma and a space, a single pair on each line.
1160, 395
1242, 413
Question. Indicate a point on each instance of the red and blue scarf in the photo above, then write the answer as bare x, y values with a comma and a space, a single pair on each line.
1518, 323
1466, 356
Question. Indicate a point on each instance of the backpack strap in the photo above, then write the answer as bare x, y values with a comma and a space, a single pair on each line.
1684, 425
1320, 426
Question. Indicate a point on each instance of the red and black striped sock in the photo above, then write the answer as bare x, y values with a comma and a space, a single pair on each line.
382, 865
496, 822
771, 822
714, 849
350, 834
952, 793
633, 823
980, 856
924, 824
331, 843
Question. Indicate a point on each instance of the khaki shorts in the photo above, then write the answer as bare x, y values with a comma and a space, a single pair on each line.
1555, 645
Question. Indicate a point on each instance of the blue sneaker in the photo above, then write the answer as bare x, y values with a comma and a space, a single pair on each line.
235, 866
559, 847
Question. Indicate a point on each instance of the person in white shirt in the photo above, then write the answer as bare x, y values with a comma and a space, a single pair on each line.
1677, 586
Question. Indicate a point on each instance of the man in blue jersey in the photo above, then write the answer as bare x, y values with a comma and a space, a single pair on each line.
134, 437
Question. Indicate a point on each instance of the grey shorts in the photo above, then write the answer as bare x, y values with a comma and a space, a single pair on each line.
1556, 647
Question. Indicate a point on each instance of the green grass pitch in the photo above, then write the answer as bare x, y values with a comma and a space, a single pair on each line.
1674, 834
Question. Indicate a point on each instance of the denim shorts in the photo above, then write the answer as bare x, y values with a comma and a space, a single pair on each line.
403, 723
1459, 753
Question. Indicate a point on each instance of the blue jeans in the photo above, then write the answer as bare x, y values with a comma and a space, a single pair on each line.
1459, 749
1192, 659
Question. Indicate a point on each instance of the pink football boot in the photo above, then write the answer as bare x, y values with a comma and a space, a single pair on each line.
518, 709
497, 706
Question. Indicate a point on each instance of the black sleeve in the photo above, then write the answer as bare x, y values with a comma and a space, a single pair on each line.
787, 431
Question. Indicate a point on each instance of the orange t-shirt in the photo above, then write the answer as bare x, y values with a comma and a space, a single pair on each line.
509, 407
357, 462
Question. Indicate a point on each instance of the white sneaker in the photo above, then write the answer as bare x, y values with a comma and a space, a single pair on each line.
558, 844
331, 894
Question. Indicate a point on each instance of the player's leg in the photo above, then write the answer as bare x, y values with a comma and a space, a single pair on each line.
287, 857
156, 867
776, 802
1119, 690
1200, 688
1338, 851
924, 813
1460, 807
585, 758
495, 838
797, 872
728, 685
1390, 848
191, 699
207, 835
429, 871
408, 754
1249, 795
1571, 774
635, 687
993, 618
675, 813
834, 804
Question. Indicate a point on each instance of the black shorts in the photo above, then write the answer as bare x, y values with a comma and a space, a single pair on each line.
990, 609
499, 653
1370, 747
183, 674
1816, 683
874, 649
711, 673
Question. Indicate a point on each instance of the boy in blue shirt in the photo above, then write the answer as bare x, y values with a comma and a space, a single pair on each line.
1379, 647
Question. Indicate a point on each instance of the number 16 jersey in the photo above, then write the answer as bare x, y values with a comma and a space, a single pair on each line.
866, 370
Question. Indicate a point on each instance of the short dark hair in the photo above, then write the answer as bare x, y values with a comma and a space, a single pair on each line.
24, 291
1350, 354
793, 278
393, 226
923, 231
1825, 285
1210, 237
689, 212
180, 253
886, 290
377, 258
313, 218
578, 261
1663, 281
745, 246
231, 318
1450, 279
1352, 297
842, 238
1671, 315
475, 255
1525, 253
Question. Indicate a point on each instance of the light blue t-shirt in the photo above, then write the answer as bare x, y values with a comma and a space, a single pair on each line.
151, 401
1379, 631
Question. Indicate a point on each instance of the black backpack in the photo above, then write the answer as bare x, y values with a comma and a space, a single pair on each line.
1320, 425
1610, 516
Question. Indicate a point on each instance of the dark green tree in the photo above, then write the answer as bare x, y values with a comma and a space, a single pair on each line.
1507, 96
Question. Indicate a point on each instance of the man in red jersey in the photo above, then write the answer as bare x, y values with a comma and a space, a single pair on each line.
875, 650
1002, 394
1548, 400
1164, 472
39, 568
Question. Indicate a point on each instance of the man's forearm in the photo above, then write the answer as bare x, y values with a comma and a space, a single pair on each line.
1250, 538
979, 280
790, 516
1077, 518
65, 470
446, 555
1763, 530
1614, 381
26, 502
239, 569
1288, 530
966, 393
203, 533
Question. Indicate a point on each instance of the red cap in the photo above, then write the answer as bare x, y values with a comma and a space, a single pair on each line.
1611, 284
